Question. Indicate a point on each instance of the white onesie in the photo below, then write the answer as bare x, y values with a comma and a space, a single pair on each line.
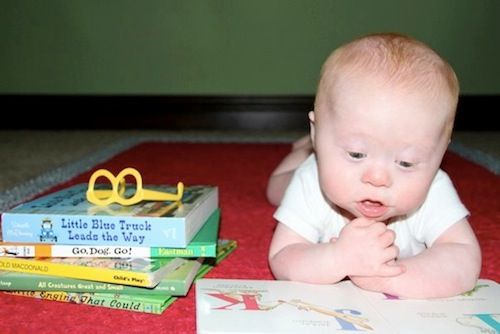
305, 210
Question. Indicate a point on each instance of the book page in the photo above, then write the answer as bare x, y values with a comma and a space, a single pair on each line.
260, 306
477, 311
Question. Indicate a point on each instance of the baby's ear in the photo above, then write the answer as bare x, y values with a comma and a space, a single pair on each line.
311, 125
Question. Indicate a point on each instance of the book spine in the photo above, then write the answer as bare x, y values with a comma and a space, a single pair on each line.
50, 250
107, 230
92, 230
208, 250
224, 248
172, 284
53, 283
77, 271
136, 304
11, 281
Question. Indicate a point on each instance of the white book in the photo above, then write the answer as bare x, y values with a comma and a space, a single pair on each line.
268, 306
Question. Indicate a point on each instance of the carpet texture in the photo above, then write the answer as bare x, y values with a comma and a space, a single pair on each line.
240, 171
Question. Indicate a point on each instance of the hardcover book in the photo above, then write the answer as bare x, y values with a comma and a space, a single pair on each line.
203, 245
145, 272
155, 304
252, 306
66, 217
175, 283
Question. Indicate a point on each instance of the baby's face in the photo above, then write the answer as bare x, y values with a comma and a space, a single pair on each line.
379, 147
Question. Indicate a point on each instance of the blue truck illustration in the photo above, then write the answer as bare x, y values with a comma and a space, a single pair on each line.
46, 233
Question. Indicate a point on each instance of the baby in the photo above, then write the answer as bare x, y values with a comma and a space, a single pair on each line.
364, 197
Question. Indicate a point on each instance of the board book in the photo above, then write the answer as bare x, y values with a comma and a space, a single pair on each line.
147, 303
145, 272
155, 304
265, 306
203, 244
66, 217
175, 283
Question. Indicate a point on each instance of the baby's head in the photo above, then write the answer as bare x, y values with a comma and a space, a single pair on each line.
383, 116
393, 61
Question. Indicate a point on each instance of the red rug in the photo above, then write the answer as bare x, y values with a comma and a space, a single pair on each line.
241, 172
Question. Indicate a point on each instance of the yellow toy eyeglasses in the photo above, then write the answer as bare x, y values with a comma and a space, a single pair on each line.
116, 194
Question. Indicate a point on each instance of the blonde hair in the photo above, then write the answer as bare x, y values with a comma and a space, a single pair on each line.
395, 58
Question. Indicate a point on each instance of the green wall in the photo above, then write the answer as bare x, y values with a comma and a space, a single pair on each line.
225, 47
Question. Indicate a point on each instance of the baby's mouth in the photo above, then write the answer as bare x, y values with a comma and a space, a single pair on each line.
371, 209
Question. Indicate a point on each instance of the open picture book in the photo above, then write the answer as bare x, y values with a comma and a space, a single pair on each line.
267, 306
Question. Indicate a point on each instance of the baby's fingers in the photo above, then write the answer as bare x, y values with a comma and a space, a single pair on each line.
387, 238
391, 269
390, 254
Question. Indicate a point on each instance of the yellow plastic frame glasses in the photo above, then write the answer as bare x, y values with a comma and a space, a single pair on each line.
104, 197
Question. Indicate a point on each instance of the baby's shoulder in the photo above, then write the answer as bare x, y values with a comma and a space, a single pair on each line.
441, 184
308, 166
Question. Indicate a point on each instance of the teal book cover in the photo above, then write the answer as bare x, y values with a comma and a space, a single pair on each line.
66, 217
204, 244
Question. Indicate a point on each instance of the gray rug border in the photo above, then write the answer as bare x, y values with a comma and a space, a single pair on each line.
29, 189
479, 157
43, 182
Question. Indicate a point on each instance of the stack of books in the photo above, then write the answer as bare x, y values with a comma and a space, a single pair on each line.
139, 258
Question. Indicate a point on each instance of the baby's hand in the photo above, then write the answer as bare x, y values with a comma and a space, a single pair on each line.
368, 249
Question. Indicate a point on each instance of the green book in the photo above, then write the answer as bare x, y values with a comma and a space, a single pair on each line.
144, 272
137, 303
224, 248
175, 283
203, 245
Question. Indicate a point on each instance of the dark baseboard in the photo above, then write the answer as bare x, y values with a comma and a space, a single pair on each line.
477, 113
155, 112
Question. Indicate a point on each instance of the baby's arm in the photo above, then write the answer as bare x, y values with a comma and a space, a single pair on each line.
450, 267
363, 248
281, 176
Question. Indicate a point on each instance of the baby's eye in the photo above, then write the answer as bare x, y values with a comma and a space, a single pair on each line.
405, 164
357, 155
